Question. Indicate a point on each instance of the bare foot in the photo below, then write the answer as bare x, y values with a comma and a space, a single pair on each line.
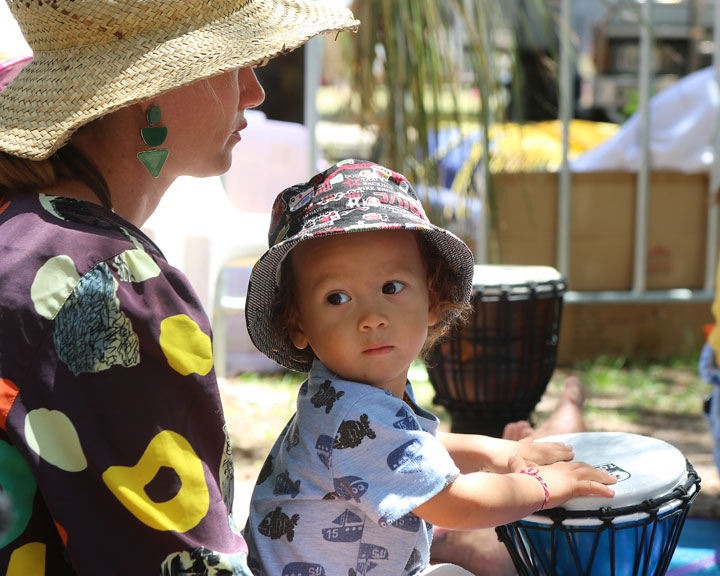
517, 430
568, 415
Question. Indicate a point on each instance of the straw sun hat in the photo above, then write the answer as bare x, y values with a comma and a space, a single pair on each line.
94, 56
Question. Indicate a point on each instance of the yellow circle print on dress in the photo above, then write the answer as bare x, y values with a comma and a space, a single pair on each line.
187, 348
184, 510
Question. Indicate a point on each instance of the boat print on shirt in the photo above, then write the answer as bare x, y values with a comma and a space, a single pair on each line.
326, 396
323, 448
351, 433
368, 558
405, 458
406, 422
277, 524
303, 569
349, 528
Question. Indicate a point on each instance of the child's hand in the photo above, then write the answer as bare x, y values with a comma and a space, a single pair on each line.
544, 452
567, 480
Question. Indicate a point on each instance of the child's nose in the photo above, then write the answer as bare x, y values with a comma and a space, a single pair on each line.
372, 319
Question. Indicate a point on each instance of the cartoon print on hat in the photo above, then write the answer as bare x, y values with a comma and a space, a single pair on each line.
350, 196
91, 332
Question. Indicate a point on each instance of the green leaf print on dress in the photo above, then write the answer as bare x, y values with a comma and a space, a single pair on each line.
91, 332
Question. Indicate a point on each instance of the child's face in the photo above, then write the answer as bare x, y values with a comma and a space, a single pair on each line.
362, 303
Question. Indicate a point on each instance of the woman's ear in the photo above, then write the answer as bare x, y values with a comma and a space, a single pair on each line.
297, 336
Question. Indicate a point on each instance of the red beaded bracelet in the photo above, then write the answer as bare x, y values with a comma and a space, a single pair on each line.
535, 473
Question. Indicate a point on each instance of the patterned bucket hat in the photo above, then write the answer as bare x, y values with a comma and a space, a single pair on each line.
350, 196
94, 56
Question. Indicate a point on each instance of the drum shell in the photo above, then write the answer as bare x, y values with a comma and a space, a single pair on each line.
495, 369
632, 541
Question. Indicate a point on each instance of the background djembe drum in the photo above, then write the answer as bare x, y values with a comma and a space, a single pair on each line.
495, 369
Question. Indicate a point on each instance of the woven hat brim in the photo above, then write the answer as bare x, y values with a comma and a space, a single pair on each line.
263, 288
62, 90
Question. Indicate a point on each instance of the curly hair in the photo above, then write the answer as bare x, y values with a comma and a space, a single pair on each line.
444, 290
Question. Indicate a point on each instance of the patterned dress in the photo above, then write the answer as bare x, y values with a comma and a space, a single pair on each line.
114, 454
336, 494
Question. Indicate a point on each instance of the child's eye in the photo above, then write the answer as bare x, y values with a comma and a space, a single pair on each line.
393, 287
337, 298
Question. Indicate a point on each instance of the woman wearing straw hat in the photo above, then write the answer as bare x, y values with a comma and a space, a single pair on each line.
113, 446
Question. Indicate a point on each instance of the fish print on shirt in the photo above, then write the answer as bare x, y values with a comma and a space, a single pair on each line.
326, 396
409, 522
286, 485
348, 488
277, 524
351, 433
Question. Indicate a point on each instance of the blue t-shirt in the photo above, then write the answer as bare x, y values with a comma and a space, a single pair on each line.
336, 494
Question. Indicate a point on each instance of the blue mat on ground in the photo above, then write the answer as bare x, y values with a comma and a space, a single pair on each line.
698, 551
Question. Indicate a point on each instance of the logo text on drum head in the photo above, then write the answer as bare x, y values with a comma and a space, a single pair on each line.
615, 470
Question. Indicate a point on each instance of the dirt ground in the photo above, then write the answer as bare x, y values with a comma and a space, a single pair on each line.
255, 417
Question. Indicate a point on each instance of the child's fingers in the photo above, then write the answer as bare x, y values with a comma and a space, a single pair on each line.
592, 488
516, 463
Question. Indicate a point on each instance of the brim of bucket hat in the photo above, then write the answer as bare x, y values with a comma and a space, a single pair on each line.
263, 287
61, 90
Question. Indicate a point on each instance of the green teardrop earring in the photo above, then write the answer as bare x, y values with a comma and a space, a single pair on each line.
153, 136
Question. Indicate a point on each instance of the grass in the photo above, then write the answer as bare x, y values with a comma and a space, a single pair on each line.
620, 395
632, 391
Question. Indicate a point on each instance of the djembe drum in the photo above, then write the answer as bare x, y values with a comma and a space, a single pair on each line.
634, 533
495, 369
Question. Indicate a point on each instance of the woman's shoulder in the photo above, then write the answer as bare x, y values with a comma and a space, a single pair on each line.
38, 228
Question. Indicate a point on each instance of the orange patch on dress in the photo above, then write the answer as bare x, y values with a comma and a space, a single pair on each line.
62, 532
3, 205
8, 393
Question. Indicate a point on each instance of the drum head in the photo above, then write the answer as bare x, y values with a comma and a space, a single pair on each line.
645, 467
497, 275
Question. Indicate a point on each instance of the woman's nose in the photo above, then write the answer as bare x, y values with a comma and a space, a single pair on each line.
251, 92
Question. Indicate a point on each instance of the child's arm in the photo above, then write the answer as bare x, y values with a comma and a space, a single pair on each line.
473, 452
485, 500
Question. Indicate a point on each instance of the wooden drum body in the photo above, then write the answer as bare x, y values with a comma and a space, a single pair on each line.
495, 369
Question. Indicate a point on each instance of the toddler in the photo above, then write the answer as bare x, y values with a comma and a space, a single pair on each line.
356, 284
